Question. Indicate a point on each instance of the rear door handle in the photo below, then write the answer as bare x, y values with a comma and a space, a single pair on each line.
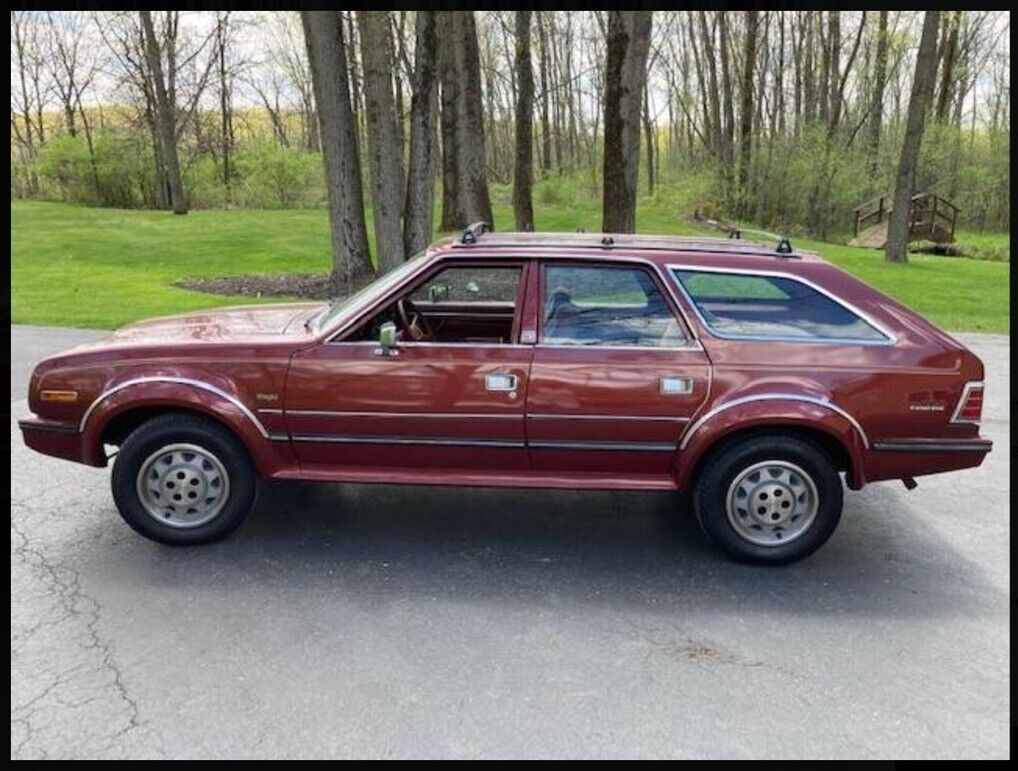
497, 381
676, 385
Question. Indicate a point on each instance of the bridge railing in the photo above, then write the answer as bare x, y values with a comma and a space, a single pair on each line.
928, 212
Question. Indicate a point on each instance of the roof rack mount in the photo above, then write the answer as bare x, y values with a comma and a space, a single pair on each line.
471, 234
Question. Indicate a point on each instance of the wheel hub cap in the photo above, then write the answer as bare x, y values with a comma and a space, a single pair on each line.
183, 485
772, 503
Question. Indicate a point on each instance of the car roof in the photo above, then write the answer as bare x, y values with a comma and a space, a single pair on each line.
658, 248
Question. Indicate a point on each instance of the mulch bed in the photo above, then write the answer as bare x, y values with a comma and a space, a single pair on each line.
307, 286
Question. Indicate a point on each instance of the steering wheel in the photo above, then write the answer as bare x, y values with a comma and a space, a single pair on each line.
414, 324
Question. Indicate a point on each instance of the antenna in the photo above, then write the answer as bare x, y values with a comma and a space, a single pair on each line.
784, 246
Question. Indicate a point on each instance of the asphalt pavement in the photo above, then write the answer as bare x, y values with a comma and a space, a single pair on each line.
394, 622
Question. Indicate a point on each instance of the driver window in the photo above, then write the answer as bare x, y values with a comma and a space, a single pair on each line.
461, 304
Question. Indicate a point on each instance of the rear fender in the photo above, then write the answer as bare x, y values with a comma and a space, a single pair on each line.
765, 411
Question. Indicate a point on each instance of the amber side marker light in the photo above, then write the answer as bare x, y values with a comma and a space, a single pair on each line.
58, 396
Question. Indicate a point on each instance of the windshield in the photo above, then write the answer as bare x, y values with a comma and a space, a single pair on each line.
341, 307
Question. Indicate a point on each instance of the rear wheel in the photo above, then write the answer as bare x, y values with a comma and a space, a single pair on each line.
183, 479
769, 500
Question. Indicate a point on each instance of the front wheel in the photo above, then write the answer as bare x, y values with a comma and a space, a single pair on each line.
769, 500
182, 479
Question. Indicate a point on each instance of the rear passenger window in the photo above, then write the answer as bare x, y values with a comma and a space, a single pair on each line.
754, 305
606, 306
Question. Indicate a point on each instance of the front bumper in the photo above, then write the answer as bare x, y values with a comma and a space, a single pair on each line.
50, 437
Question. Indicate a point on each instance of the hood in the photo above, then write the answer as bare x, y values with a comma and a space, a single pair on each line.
242, 322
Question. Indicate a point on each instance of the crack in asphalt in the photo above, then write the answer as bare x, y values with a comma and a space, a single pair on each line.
64, 584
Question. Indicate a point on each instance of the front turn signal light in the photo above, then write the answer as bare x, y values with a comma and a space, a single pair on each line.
51, 395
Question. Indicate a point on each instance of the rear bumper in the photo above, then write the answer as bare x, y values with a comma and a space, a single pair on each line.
50, 437
897, 458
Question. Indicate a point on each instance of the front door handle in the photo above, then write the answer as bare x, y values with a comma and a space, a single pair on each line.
497, 381
676, 385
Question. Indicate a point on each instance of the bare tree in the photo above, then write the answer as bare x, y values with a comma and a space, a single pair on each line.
523, 176
164, 116
420, 187
746, 109
384, 150
626, 69
919, 103
475, 202
323, 32
877, 99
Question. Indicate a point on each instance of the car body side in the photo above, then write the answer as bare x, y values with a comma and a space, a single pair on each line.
881, 411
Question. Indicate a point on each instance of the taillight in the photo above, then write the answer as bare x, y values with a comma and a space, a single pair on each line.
970, 404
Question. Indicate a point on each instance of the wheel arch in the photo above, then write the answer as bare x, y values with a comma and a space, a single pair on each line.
121, 409
839, 435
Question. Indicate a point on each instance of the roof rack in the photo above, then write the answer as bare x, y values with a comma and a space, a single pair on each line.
473, 231
608, 241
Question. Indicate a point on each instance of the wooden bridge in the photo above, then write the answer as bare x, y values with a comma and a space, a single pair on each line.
931, 218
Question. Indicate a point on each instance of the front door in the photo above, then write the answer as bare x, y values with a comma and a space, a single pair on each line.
616, 375
449, 396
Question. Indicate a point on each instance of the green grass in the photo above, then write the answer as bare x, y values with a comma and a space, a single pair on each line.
101, 268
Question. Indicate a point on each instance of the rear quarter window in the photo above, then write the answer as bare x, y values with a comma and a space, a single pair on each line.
756, 305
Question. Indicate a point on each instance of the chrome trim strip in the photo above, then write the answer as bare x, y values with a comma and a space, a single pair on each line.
447, 415
441, 441
645, 348
556, 444
279, 438
891, 339
266, 411
949, 446
172, 379
773, 397
969, 387
564, 416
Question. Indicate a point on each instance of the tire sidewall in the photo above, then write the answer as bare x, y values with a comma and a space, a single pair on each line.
160, 432
711, 494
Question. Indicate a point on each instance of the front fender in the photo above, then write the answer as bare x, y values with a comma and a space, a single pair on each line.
205, 395
784, 410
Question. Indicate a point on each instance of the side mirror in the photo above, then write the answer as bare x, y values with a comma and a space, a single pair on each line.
387, 339
438, 292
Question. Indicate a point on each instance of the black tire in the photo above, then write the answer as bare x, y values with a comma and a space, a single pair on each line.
710, 496
182, 428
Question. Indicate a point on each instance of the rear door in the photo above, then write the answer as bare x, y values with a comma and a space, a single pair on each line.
616, 374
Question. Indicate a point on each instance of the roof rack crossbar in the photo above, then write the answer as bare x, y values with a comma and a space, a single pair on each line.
473, 231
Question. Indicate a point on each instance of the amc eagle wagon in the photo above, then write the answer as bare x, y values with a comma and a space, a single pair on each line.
751, 377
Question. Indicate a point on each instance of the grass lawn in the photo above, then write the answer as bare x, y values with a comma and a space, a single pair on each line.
101, 268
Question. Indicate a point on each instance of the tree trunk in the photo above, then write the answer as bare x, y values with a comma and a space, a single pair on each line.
648, 137
472, 158
948, 63
420, 189
452, 213
746, 110
877, 98
545, 96
323, 35
625, 72
384, 150
523, 174
922, 94
165, 120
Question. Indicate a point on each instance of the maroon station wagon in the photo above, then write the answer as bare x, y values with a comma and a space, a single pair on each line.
749, 376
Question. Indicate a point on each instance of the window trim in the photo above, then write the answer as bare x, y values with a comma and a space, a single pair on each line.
889, 337
690, 342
